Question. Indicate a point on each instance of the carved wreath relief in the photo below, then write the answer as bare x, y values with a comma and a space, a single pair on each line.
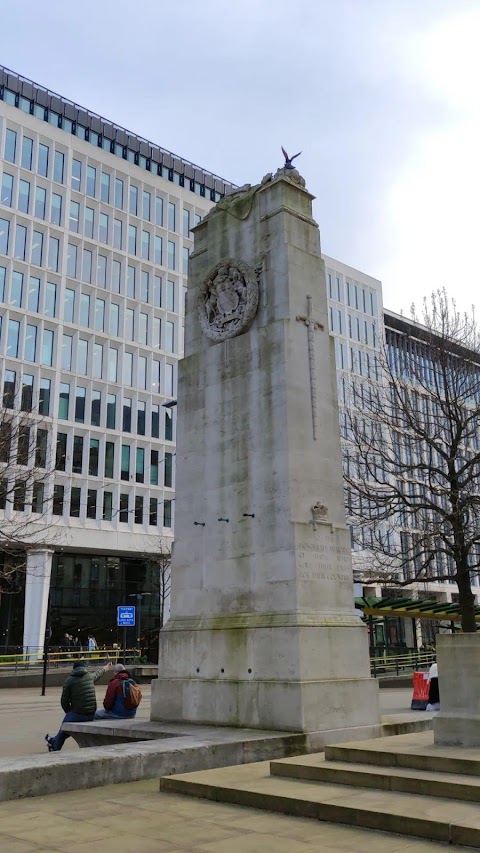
228, 300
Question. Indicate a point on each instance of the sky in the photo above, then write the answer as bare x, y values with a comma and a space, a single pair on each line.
381, 97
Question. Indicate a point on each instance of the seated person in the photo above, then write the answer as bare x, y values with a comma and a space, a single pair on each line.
116, 702
78, 701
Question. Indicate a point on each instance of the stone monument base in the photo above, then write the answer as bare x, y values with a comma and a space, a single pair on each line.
458, 722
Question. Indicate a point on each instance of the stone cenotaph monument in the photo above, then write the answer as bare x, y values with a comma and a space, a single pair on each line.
262, 631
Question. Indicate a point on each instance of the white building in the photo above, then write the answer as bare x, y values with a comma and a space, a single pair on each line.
94, 243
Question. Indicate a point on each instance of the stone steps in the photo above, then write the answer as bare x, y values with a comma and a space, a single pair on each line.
394, 784
454, 787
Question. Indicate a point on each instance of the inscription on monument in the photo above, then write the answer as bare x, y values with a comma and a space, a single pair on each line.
323, 562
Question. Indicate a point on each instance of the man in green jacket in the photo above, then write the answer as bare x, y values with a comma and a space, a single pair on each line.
78, 701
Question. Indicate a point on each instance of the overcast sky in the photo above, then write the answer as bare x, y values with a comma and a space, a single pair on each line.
380, 95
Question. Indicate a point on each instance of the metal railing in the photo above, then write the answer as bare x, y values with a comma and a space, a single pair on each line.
28, 657
385, 664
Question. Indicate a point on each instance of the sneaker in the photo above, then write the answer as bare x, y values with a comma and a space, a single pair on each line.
49, 742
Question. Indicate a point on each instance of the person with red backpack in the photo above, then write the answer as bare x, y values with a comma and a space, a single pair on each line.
122, 698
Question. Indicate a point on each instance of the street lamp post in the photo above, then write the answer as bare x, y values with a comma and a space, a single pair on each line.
139, 596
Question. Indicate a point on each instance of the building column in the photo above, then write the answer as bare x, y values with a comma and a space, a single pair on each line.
37, 588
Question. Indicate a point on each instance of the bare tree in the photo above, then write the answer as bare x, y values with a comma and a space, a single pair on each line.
161, 575
26, 487
412, 461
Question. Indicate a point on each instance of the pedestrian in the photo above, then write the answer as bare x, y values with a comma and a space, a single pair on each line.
78, 701
91, 643
433, 692
122, 697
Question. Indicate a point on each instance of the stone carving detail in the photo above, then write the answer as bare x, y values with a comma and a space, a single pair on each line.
312, 325
228, 300
319, 514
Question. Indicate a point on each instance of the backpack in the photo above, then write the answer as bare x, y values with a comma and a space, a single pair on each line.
131, 694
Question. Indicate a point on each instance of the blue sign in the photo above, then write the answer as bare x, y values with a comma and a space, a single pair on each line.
126, 616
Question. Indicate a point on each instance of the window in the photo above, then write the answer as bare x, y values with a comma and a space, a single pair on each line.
68, 305
154, 467
10, 145
158, 259
186, 222
125, 466
171, 216
171, 255
133, 199
156, 377
90, 182
44, 397
82, 356
41, 448
37, 248
91, 503
61, 451
170, 295
58, 167
96, 408
63, 401
12, 338
38, 492
117, 233
4, 233
87, 266
157, 332
107, 506
56, 209
158, 210
24, 196
111, 410
76, 174
93, 457
155, 421
142, 372
147, 202
132, 239
103, 228
7, 189
123, 508
138, 509
19, 496
140, 465
40, 202
50, 299
30, 343
112, 364
170, 336
141, 407
127, 368
197, 219
47, 348
114, 320
153, 513
116, 273
101, 271
168, 470
99, 314
72, 260
119, 193
77, 457
168, 425
167, 513
16, 292
9, 390
109, 458
21, 243
89, 221
80, 404
2, 283
127, 415
27, 153
23, 445
129, 315
58, 499
186, 256
43, 152
105, 187
97, 361
84, 309
27, 393
75, 500
53, 253
146, 245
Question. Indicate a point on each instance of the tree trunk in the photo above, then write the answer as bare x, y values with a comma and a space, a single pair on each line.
466, 599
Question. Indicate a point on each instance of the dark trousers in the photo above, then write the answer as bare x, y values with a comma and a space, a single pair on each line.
70, 717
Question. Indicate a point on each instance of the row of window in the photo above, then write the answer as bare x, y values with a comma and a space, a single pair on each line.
43, 249
106, 144
357, 361
74, 460
88, 357
21, 499
89, 406
358, 297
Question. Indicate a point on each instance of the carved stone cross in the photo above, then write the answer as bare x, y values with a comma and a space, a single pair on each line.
312, 325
